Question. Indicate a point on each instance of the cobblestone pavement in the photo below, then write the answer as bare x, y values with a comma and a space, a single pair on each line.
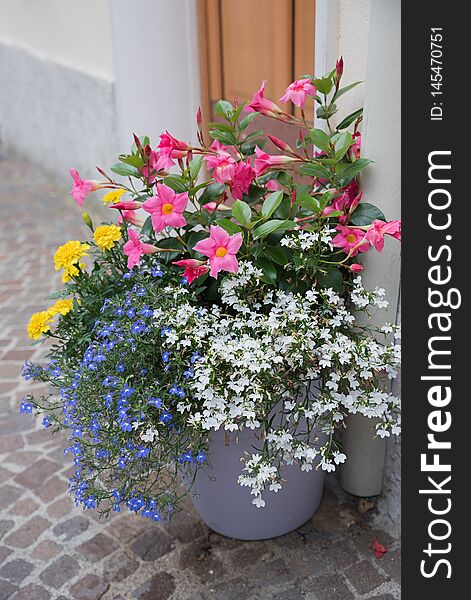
51, 550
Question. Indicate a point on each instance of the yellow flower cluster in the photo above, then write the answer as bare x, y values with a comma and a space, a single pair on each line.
106, 235
40, 322
113, 197
67, 257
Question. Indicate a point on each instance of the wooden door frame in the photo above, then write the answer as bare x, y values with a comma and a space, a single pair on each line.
210, 45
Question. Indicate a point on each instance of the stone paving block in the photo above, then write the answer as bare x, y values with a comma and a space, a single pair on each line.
16, 570
60, 571
46, 550
391, 563
7, 589
159, 587
97, 547
128, 527
364, 577
90, 587
15, 423
23, 459
24, 507
152, 544
66, 530
119, 566
4, 474
32, 592
28, 533
239, 588
61, 507
8, 495
35, 476
54, 487
5, 526
4, 553
328, 587
199, 558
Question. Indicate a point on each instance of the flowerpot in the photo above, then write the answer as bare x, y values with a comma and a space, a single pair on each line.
227, 508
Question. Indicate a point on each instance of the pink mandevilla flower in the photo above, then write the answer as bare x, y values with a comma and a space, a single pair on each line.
375, 235
222, 164
356, 268
221, 249
243, 177
297, 92
166, 208
265, 161
266, 107
126, 205
170, 148
193, 268
82, 187
134, 249
130, 217
351, 240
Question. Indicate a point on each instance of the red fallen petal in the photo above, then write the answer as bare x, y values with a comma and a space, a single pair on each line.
378, 549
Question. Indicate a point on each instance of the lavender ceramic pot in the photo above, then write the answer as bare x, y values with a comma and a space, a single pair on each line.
227, 508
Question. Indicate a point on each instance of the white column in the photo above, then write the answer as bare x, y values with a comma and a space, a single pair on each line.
155, 47
381, 142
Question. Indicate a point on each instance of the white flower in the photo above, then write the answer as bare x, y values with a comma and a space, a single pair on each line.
149, 435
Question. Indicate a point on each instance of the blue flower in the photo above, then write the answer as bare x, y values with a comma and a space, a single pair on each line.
128, 275
122, 462
166, 417
201, 457
142, 452
31, 371
26, 407
126, 391
120, 367
131, 313
195, 357
155, 402
119, 312
90, 502
46, 422
165, 356
138, 327
186, 458
95, 425
125, 426
184, 281
146, 312
188, 373
157, 272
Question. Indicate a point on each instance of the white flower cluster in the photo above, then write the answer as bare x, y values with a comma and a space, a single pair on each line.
300, 358
307, 240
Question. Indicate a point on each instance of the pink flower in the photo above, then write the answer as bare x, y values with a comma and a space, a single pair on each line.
222, 164
243, 176
272, 185
130, 217
265, 161
221, 249
134, 249
375, 235
210, 206
356, 268
261, 105
126, 205
166, 208
297, 92
339, 69
170, 148
355, 148
82, 187
150, 171
193, 268
345, 204
350, 238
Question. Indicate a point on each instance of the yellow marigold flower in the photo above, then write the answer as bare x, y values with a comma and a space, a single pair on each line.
61, 307
106, 235
69, 254
39, 324
113, 197
72, 271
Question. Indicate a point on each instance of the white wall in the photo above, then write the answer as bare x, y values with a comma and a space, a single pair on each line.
74, 33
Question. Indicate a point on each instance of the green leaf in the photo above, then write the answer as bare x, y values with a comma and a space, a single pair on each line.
345, 89
226, 137
229, 226
223, 108
308, 202
147, 227
178, 184
343, 142
195, 166
314, 170
331, 278
272, 226
125, 170
276, 254
365, 213
212, 192
350, 118
131, 159
269, 270
243, 123
352, 169
271, 203
323, 85
326, 113
242, 212
320, 139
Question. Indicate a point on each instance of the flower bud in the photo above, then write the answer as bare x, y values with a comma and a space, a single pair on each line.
87, 220
338, 70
